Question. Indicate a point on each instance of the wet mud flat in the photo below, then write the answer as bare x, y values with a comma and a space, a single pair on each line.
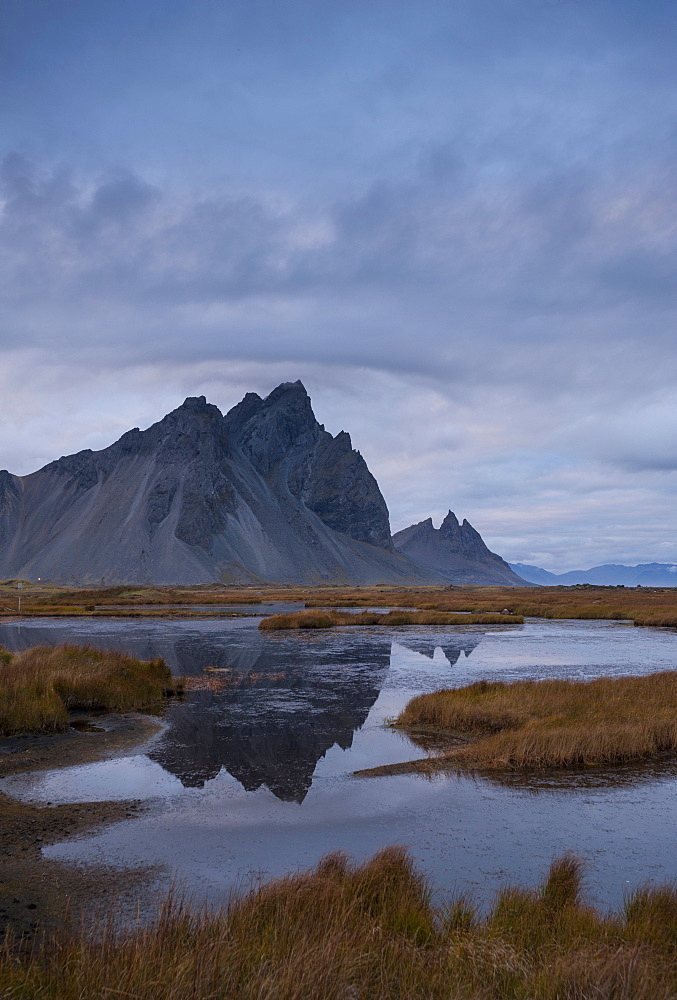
41, 894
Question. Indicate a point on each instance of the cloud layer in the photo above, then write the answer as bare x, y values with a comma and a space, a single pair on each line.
458, 228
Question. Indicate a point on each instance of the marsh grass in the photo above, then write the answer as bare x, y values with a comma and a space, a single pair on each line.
52, 599
39, 686
643, 606
333, 619
551, 723
367, 932
665, 620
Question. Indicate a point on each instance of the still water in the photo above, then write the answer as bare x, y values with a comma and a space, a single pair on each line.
257, 779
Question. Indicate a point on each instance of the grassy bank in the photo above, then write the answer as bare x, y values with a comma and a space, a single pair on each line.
334, 619
369, 933
643, 606
39, 686
550, 723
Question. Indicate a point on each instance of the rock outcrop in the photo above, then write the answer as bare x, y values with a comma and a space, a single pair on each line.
263, 493
456, 552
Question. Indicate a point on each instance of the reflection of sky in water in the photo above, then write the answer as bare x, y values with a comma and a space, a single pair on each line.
259, 778
134, 777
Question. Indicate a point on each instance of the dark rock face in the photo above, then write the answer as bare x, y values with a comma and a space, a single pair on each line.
10, 507
263, 493
455, 551
281, 438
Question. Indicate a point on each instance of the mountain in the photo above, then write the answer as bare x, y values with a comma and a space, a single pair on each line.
455, 551
534, 574
609, 575
263, 493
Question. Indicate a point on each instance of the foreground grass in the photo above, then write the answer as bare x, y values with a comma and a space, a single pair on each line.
334, 619
368, 933
551, 723
39, 686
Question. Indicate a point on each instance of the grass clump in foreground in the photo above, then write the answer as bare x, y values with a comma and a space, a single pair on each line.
333, 619
369, 932
551, 723
39, 686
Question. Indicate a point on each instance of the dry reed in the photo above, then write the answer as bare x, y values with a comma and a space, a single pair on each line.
334, 619
368, 932
39, 686
551, 723
643, 606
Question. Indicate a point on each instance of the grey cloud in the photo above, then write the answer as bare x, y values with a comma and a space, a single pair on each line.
122, 197
391, 231
480, 284
562, 205
24, 193
645, 274
456, 222
499, 289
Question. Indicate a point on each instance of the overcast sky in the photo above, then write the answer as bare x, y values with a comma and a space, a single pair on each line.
454, 220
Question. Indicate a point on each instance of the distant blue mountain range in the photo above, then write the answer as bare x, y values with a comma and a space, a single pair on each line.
610, 575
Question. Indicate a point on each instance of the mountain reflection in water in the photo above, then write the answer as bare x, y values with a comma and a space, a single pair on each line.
279, 714
284, 700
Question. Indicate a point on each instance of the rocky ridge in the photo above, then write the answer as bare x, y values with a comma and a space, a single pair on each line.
456, 552
261, 494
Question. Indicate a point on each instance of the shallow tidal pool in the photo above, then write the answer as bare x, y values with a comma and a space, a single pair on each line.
256, 778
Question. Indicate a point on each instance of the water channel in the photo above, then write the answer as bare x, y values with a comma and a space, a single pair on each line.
257, 779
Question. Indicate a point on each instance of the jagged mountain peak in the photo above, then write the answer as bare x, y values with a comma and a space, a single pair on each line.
194, 406
242, 411
263, 493
192, 431
291, 399
456, 551
275, 428
288, 406
194, 402
288, 389
422, 528
450, 523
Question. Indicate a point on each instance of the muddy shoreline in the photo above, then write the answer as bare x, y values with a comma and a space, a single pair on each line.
39, 894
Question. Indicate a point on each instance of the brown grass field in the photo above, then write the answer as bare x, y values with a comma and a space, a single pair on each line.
643, 606
368, 932
549, 723
334, 619
40, 686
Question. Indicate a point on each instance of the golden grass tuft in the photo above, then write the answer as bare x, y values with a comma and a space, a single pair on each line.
367, 932
551, 723
39, 686
334, 619
665, 620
